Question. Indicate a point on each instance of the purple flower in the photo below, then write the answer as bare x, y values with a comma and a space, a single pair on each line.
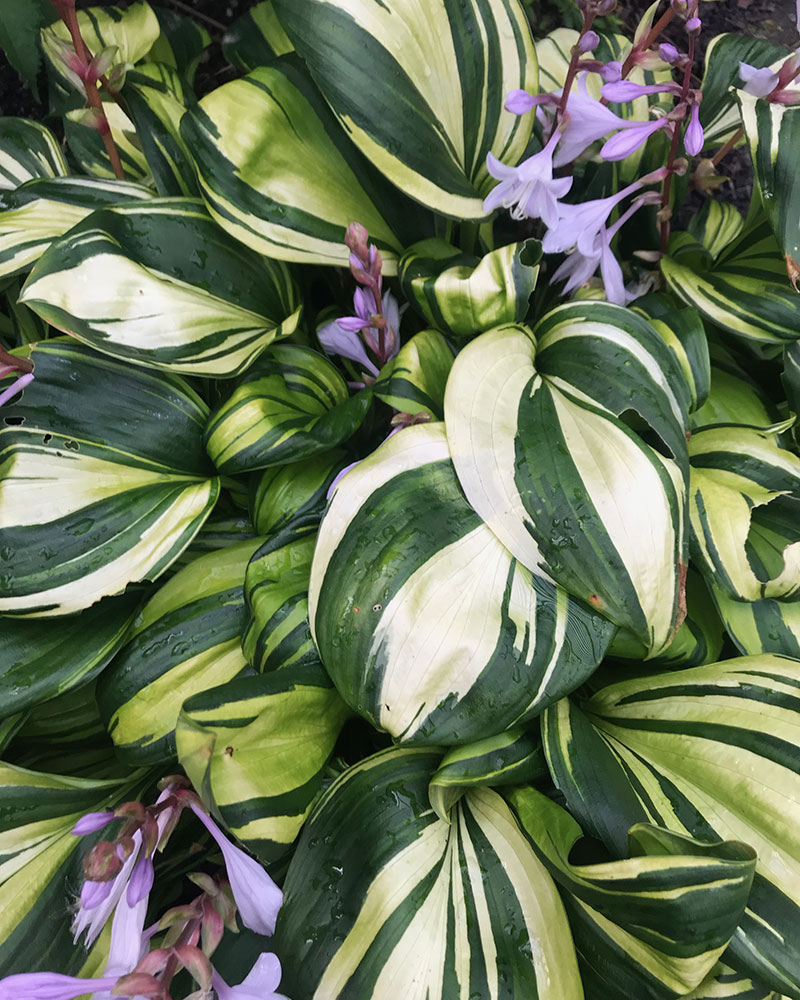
92, 822
15, 387
129, 942
621, 145
611, 71
694, 138
519, 102
51, 986
587, 121
255, 894
758, 82
581, 265
528, 190
99, 899
579, 225
627, 90
346, 344
259, 984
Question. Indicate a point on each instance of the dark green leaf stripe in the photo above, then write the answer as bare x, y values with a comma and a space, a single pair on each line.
181, 43
290, 500
42, 659
39, 211
414, 380
161, 286
28, 150
791, 382
510, 758
255, 38
472, 890
765, 626
186, 639
292, 405
682, 331
651, 925
461, 294
725, 983
135, 485
290, 183
745, 291
699, 639
716, 225
218, 532
713, 752
427, 624
257, 747
567, 486
156, 102
277, 633
433, 111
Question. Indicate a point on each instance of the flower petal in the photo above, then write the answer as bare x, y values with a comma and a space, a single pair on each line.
758, 82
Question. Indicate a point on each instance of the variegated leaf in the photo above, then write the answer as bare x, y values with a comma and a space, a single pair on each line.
28, 151
428, 625
414, 380
408, 904
124, 446
435, 73
290, 499
255, 38
159, 285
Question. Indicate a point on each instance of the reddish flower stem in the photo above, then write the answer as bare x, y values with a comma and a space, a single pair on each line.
647, 41
70, 18
673, 149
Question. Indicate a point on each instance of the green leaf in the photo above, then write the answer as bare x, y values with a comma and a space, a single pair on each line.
711, 752
461, 294
159, 285
19, 37
66, 725
773, 135
134, 485
277, 633
791, 382
132, 31
290, 500
414, 380
682, 331
28, 150
88, 150
743, 506
255, 38
186, 639
218, 532
415, 906
765, 626
429, 627
744, 290
41, 863
734, 396
419, 87
719, 112
181, 43
155, 99
509, 758
716, 225
41, 659
256, 749
39, 211
725, 983
651, 925
290, 184
533, 422
292, 404
699, 639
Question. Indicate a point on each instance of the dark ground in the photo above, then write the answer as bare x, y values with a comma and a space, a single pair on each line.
770, 19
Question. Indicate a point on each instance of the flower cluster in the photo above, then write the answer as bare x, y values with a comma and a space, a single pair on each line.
118, 880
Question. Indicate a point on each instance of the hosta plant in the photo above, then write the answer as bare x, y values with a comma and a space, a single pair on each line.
399, 506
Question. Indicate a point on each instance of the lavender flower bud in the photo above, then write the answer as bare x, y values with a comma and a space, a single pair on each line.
588, 41
92, 822
612, 71
693, 25
668, 52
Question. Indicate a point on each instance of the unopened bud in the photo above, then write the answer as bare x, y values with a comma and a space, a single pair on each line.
589, 40
102, 863
196, 964
357, 240
668, 52
139, 984
681, 7
693, 25
101, 63
611, 72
